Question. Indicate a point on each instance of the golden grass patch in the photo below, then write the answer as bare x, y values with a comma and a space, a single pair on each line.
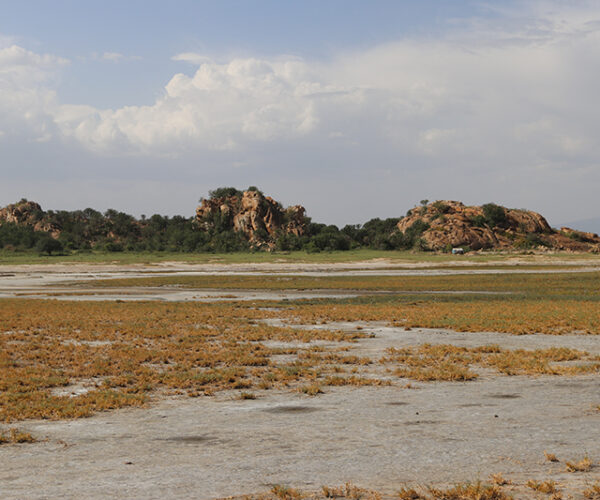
583, 465
16, 436
447, 362
133, 349
547, 487
593, 492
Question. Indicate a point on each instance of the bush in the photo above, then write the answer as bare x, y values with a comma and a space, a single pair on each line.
48, 245
225, 192
495, 215
113, 246
441, 207
478, 220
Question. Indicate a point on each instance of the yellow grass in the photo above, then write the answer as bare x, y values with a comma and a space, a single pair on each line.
466, 491
446, 362
593, 492
547, 487
127, 351
583, 465
16, 436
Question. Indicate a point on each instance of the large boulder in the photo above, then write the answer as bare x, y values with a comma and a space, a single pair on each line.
28, 213
446, 224
259, 218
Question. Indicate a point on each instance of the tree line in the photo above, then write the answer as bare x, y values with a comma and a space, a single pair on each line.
114, 231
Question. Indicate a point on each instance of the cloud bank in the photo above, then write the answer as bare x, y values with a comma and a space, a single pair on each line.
501, 103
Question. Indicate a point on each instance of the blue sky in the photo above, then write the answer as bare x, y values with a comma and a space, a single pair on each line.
149, 33
356, 109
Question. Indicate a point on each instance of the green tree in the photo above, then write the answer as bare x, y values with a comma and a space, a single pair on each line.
48, 245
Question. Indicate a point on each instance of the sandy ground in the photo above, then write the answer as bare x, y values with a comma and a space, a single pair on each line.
43, 281
380, 437
204, 448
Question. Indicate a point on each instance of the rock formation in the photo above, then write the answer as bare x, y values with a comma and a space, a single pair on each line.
448, 224
260, 218
28, 213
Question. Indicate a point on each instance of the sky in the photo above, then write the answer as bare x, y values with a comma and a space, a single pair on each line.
353, 109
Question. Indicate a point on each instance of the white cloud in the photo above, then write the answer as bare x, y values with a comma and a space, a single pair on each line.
19, 66
479, 92
192, 58
219, 107
494, 100
27, 103
471, 95
113, 56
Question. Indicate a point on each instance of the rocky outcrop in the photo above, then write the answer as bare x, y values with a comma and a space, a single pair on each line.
259, 218
448, 224
28, 213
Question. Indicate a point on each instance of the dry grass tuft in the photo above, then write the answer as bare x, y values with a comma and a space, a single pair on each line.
550, 457
349, 490
470, 491
311, 390
584, 465
285, 492
547, 487
247, 395
593, 492
410, 494
15, 436
499, 480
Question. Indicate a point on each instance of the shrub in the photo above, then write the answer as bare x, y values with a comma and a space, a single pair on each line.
495, 215
225, 192
113, 246
441, 207
478, 220
48, 245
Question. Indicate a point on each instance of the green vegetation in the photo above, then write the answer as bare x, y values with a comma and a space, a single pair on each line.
495, 215
582, 286
116, 232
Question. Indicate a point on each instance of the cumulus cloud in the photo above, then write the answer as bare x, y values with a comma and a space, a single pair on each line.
522, 87
219, 107
502, 99
27, 102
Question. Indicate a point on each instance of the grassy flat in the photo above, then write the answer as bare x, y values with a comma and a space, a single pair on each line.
124, 258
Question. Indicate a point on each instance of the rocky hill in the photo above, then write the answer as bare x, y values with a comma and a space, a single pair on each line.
444, 225
233, 220
259, 218
28, 213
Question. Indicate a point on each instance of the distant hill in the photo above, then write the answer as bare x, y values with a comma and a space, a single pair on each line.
233, 220
444, 225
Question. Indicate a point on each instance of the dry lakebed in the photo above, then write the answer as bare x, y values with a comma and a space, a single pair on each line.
355, 400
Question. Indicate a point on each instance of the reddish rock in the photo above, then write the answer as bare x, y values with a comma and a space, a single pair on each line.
451, 224
28, 213
257, 216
